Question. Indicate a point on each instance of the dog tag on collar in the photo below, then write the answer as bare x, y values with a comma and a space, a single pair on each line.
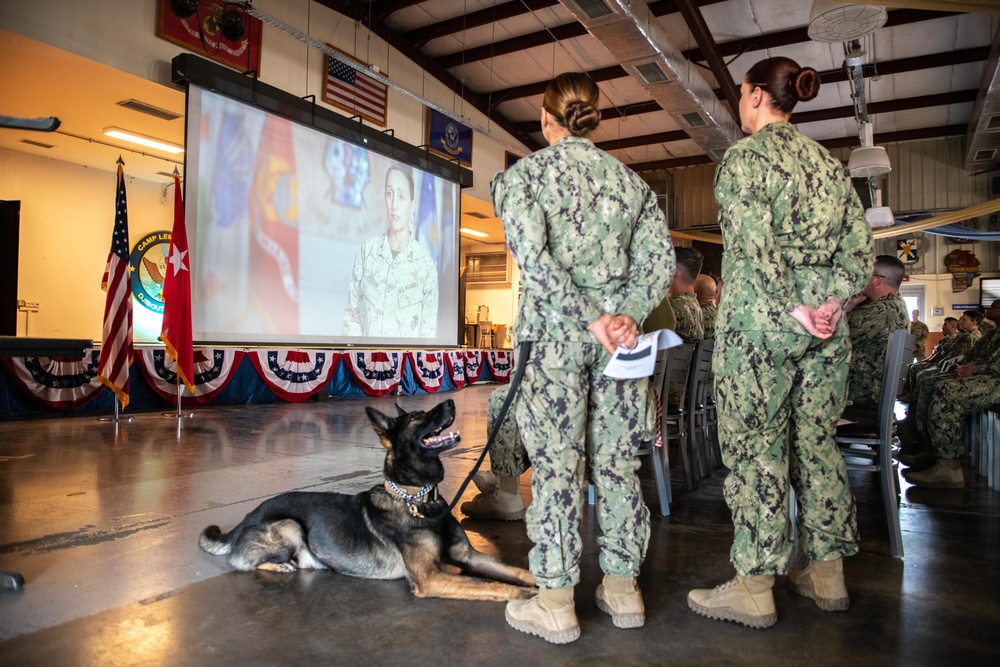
415, 511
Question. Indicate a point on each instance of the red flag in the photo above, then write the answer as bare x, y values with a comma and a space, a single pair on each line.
176, 332
274, 225
116, 338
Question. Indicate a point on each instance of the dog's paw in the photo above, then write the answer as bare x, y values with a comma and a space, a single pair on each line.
278, 567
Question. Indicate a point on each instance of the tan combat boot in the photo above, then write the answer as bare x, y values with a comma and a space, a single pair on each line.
745, 600
503, 504
823, 583
621, 598
549, 615
942, 475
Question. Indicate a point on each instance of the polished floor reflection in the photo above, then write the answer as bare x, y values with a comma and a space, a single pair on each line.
102, 522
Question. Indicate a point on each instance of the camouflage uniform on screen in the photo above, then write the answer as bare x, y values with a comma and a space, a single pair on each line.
709, 313
508, 457
780, 391
870, 325
687, 312
583, 251
920, 330
392, 296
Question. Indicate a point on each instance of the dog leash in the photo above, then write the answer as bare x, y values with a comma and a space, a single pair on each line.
515, 384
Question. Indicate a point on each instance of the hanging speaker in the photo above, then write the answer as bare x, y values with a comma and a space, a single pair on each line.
182, 9
231, 25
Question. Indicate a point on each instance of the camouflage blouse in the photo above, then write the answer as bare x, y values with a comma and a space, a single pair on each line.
793, 228
588, 236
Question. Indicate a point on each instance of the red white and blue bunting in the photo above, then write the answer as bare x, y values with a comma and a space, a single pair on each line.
56, 382
213, 369
456, 366
295, 375
377, 372
473, 365
501, 362
428, 368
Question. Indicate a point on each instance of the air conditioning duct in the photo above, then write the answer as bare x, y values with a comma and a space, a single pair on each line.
632, 34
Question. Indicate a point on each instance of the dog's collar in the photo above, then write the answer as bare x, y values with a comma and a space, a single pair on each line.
409, 494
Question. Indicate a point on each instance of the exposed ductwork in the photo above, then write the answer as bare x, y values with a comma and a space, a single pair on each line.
631, 33
983, 137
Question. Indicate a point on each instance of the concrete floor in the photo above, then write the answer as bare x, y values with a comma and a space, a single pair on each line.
102, 521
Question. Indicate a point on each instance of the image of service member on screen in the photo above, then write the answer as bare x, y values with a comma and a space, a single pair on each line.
394, 283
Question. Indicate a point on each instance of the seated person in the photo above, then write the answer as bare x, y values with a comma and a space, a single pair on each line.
951, 346
687, 311
992, 318
704, 289
871, 317
975, 387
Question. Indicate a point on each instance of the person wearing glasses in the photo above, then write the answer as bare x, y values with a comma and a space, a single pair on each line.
871, 317
796, 247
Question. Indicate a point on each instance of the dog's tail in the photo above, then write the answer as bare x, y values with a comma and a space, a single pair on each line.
214, 542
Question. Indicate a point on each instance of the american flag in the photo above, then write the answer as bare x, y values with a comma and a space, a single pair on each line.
350, 89
116, 339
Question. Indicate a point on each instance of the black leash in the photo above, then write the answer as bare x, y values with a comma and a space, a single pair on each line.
522, 361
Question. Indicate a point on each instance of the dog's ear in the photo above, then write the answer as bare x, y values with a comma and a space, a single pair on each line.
400, 410
382, 425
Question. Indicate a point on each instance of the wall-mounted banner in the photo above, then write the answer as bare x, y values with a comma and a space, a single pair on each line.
202, 33
449, 138
353, 91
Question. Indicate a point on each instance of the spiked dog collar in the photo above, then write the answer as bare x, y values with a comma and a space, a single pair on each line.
411, 495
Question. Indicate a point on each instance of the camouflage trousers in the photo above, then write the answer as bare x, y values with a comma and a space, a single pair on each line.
925, 389
779, 398
916, 370
953, 400
508, 458
574, 421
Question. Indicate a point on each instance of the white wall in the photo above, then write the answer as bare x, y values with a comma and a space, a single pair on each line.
67, 216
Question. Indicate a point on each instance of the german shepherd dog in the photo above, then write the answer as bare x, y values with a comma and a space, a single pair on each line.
391, 531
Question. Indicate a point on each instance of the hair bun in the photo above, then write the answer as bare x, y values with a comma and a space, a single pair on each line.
806, 84
581, 118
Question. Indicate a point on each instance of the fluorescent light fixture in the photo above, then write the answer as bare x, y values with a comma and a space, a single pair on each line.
142, 140
473, 232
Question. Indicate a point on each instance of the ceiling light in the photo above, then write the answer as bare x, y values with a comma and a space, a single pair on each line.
473, 232
868, 161
880, 216
142, 140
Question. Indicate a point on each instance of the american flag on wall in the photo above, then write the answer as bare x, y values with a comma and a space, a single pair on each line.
116, 338
353, 91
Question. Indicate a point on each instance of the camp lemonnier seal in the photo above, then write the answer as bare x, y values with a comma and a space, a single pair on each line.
148, 268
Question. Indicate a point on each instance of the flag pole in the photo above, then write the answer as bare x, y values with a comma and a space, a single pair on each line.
176, 329
116, 338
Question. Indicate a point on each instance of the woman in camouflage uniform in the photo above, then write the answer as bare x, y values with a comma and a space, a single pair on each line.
595, 258
796, 247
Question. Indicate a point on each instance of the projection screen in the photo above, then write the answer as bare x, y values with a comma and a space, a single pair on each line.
298, 237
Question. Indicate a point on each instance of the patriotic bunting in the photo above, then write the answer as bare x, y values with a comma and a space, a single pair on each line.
212, 371
428, 369
59, 383
295, 375
456, 365
377, 373
501, 362
473, 365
